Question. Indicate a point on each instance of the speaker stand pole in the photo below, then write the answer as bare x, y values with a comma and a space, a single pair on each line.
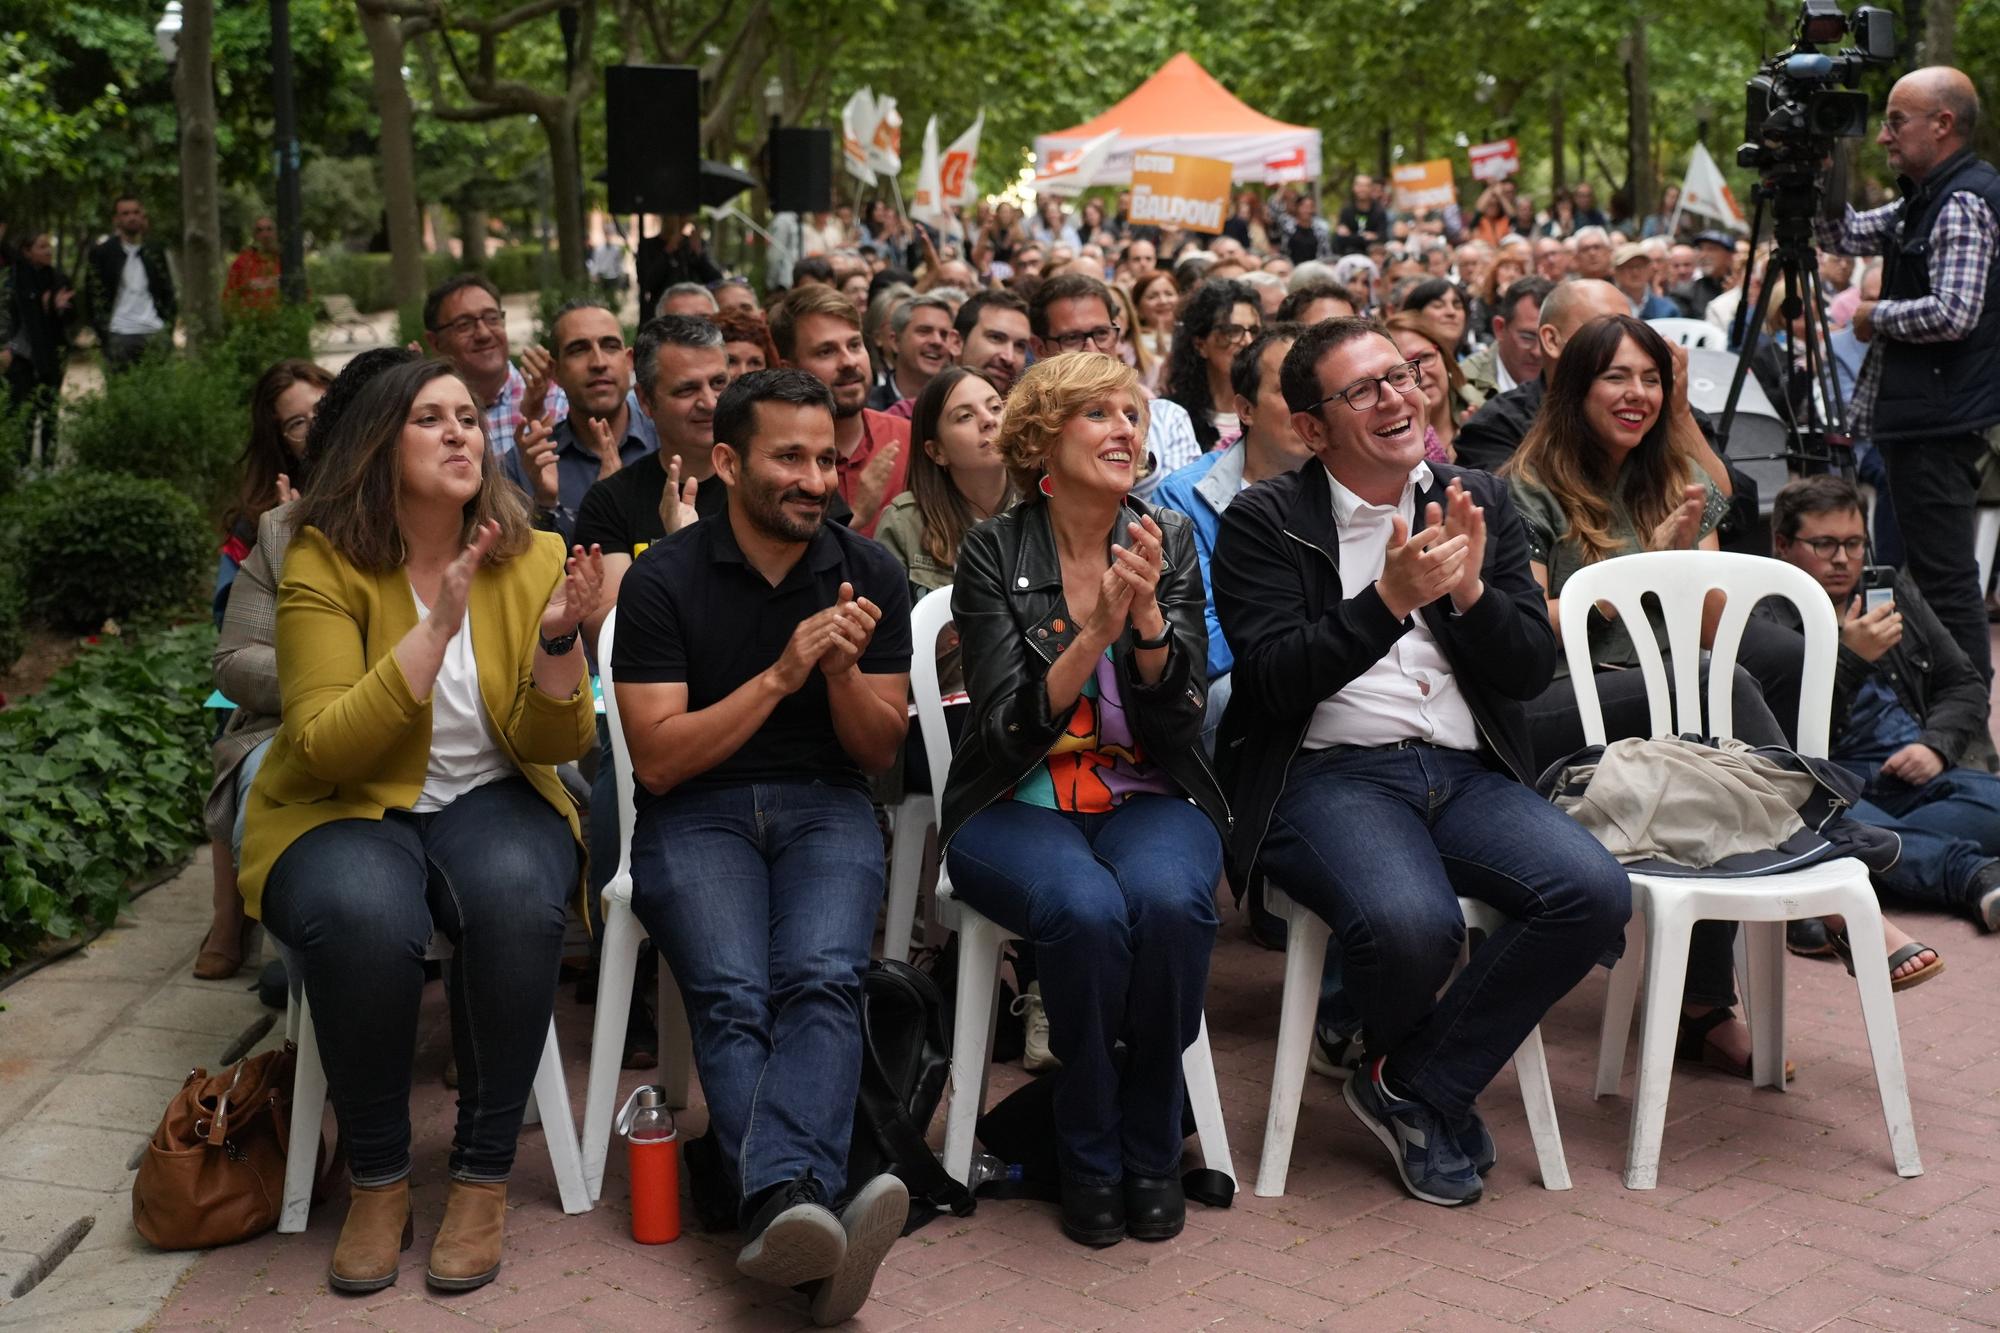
730, 211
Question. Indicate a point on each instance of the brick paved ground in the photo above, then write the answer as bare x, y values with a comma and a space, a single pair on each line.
1776, 1211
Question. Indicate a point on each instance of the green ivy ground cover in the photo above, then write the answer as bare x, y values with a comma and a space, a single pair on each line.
102, 777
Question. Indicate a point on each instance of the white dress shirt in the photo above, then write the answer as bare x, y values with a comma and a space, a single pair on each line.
132, 310
1410, 693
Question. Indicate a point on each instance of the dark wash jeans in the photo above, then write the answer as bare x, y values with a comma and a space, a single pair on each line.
1120, 909
762, 898
357, 901
1381, 842
1950, 828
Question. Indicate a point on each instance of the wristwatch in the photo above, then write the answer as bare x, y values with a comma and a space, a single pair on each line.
557, 647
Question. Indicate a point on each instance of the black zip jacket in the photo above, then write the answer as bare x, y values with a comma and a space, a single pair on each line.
1008, 608
1929, 672
1300, 638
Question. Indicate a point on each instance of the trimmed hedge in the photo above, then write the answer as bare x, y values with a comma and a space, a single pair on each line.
102, 777
365, 277
97, 546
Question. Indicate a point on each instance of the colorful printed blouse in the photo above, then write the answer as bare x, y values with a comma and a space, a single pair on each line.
1096, 765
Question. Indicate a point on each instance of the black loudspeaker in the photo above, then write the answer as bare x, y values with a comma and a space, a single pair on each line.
801, 171
652, 138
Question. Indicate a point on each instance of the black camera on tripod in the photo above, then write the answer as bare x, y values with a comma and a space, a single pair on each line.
1797, 104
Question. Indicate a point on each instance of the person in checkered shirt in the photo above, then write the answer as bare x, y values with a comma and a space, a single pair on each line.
1926, 394
464, 324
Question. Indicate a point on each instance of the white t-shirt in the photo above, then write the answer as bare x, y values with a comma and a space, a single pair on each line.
1410, 692
132, 310
463, 754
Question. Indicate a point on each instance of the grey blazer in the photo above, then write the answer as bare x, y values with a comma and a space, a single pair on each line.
246, 663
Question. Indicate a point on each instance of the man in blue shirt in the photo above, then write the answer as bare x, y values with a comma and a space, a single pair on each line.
603, 430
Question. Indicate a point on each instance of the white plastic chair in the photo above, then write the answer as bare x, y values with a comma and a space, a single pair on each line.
1986, 537
909, 821
618, 961
980, 941
1689, 332
1305, 959
309, 1109
1670, 905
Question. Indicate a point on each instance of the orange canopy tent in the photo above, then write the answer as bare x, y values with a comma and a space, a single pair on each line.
1182, 109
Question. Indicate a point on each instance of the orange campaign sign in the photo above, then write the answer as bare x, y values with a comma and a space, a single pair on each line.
1177, 190
1424, 184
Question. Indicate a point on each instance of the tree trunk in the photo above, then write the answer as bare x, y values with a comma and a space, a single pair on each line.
566, 185
472, 237
1638, 126
1556, 137
201, 222
398, 154
1940, 43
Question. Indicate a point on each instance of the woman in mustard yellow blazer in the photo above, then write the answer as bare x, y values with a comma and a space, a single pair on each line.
428, 661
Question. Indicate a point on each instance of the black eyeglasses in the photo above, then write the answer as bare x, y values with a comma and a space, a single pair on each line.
1824, 547
462, 327
1104, 338
1363, 394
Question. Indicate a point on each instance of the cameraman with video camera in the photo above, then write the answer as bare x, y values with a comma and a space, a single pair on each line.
1928, 392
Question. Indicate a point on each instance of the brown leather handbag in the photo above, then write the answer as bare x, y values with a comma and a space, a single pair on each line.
214, 1172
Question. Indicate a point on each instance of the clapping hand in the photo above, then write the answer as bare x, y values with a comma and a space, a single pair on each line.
874, 482
1138, 567
538, 460
1680, 530
606, 448
576, 596
1418, 569
286, 491
851, 622
677, 499
447, 613
1463, 518
536, 363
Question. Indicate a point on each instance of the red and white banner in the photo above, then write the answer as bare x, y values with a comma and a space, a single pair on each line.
1495, 161
1286, 167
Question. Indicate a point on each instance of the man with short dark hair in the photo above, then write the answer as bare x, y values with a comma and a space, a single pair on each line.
556, 466
993, 339
128, 288
1364, 219
464, 324
817, 329
1927, 394
813, 269
1072, 312
1909, 711
1387, 629
1314, 303
1489, 436
762, 672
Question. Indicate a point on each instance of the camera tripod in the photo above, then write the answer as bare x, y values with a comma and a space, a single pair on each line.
1814, 441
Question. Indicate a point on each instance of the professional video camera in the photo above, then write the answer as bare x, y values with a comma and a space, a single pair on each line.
1796, 106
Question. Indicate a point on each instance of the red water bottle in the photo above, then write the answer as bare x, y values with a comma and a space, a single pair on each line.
653, 1160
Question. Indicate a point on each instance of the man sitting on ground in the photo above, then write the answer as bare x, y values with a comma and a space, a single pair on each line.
762, 670
1391, 668
1909, 712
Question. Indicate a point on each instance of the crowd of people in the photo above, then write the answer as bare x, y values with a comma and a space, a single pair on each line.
1303, 498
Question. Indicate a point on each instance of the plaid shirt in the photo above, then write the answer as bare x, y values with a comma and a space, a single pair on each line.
1961, 251
503, 414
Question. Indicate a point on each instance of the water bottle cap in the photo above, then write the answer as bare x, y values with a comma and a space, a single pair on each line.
646, 1097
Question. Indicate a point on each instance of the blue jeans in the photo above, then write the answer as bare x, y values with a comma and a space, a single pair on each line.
1950, 828
1381, 842
356, 902
246, 773
763, 898
1120, 908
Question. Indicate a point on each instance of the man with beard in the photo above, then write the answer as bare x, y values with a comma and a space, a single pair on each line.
819, 331
128, 288
557, 465
993, 339
761, 671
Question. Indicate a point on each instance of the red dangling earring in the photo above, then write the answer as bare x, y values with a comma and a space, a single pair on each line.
1045, 488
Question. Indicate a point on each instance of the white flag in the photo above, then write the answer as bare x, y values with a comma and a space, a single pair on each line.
1705, 192
857, 126
885, 138
1071, 170
955, 168
927, 203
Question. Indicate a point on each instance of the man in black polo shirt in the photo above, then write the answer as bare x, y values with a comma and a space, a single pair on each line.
761, 666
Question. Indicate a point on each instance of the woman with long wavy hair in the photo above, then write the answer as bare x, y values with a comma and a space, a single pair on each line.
1217, 319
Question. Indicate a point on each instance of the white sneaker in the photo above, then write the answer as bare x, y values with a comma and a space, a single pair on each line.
1035, 1056
873, 1219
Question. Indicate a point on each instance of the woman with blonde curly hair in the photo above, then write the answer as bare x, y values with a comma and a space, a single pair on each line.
1080, 813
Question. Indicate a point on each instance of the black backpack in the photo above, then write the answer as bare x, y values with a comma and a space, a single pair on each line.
905, 1062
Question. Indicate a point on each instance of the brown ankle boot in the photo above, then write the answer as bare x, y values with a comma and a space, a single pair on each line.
376, 1232
466, 1253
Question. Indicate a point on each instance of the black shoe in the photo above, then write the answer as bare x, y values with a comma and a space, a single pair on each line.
794, 1237
1093, 1214
1155, 1207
